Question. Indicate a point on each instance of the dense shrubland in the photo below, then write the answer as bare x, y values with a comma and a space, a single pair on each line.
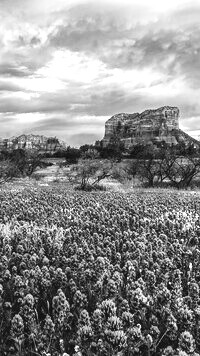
114, 273
177, 166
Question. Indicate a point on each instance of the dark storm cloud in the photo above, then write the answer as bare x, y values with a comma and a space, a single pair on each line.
35, 40
102, 103
9, 86
66, 122
24, 61
44, 104
111, 101
54, 123
173, 52
13, 70
88, 29
21, 41
97, 29
170, 45
105, 101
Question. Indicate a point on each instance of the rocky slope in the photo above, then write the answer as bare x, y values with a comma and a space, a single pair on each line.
30, 142
150, 126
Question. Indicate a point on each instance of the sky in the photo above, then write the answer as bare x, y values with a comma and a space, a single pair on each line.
66, 66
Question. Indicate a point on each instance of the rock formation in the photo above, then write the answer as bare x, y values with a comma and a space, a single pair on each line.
151, 126
30, 142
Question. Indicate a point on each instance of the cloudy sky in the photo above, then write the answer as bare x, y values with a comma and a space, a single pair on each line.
66, 66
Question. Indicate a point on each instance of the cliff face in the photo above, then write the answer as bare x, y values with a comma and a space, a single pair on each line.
30, 142
149, 126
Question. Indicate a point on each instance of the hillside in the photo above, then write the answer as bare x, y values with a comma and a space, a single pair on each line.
30, 142
150, 126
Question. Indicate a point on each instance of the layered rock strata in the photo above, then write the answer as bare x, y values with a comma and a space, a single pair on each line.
30, 142
151, 125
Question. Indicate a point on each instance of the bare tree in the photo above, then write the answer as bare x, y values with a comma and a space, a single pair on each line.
146, 166
181, 171
19, 163
167, 166
149, 170
89, 173
32, 162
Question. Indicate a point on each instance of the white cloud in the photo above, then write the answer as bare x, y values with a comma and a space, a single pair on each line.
72, 66
105, 57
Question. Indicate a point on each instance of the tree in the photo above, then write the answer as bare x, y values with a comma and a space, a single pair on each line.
19, 163
33, 161
136, 151
149, 170
88, 174
8, 171
18, 158
146, 165
84, 172
114, 150
59, 154
89, 151
104, 171
72, 155
155, 167
180, 170
85, 148
124, 171
26, 161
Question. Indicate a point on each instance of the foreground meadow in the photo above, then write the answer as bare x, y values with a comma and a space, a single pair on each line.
114, 273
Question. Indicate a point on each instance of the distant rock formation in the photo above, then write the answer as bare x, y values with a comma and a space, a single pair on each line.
31, 142
151, 126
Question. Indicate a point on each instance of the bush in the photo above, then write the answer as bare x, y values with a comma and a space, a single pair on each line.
91, 187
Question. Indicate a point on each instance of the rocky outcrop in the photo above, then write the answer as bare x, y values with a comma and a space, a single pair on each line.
31, 142
150, 126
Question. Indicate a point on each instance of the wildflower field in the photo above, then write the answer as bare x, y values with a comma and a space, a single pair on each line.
116, 273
